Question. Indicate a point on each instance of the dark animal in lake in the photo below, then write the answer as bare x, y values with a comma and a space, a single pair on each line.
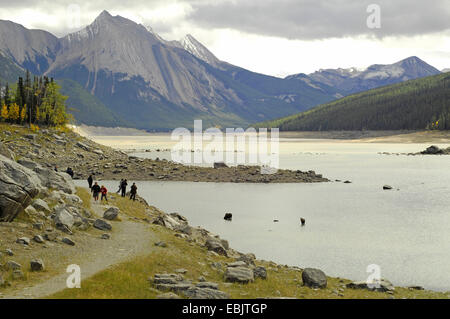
228, 216
303, 221
275, 220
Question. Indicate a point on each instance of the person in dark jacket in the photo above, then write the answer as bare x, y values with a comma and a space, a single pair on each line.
70, 171
90, 180
95, 191
124, 188
133, 191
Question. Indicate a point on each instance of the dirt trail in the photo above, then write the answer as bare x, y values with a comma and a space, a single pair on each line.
128, 239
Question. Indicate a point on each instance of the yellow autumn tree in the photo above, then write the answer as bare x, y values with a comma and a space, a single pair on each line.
14, 112
4, 112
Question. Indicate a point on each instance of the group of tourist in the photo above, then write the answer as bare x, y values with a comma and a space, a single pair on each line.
96, 190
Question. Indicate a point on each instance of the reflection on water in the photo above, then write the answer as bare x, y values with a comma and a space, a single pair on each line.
348, 226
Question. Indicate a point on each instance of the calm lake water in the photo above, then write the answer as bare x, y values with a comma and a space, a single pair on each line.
348, 226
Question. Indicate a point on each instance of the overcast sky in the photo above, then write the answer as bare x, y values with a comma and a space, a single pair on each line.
276, 37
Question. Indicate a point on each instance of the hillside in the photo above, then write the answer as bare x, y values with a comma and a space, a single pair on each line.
412, 105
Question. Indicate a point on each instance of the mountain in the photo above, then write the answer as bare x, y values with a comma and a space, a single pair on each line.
34, 50
411, 105
348, 81
9, 71
445, 70
158, 84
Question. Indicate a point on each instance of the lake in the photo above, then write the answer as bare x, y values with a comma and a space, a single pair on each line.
348, 226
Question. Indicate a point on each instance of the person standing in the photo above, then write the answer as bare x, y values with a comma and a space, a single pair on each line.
124, 188
70, 171
104, 192
95, 191
120, 186
133, 192
90, 180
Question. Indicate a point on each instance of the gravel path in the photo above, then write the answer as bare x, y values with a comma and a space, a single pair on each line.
128, 239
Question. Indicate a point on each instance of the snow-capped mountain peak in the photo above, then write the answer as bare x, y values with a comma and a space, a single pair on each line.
193, 46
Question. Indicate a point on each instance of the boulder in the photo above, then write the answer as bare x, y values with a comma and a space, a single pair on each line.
68, 241
239, 274
37, 265
18, 186
111, 213
23, 241
249, 259
387, 187
39, 239
260, 272
433, 150
40, 205
63, 219
71, 198
314, 278
215, 245
228, 217
102, 225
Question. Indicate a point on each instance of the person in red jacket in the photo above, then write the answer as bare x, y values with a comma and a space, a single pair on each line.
104, 192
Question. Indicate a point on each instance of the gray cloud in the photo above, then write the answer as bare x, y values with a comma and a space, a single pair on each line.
293, 19
318, 19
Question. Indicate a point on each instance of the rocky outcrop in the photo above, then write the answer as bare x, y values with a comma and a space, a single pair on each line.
50, 178
314, 278
6, 152
176, 284
18, 186
382, 285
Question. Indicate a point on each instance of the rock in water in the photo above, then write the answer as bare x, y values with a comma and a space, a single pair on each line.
387, 187
228, 217
37, 265
241, 275
314, 278
111, 213
18, 185
433, 150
